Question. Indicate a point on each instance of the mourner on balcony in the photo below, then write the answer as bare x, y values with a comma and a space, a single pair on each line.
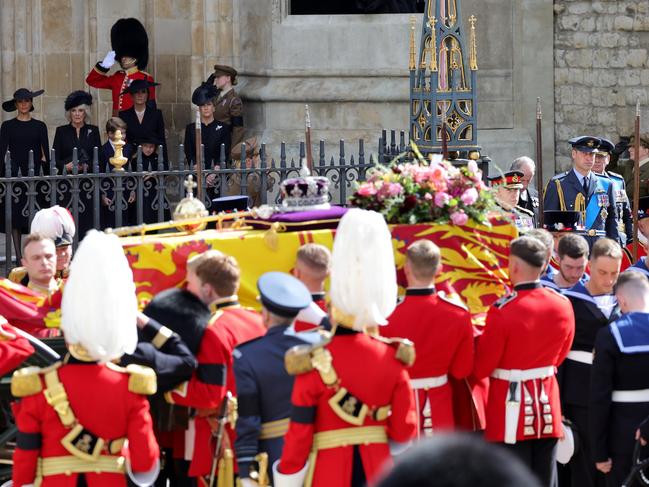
143, 118
19, 136
213, 132
229, 108
84, 137
149, 142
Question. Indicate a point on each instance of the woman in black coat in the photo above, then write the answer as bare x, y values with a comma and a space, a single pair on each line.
84, 137
143, 119
19, 136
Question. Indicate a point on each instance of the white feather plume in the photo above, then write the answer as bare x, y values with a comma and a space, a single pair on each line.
363, 275
53, 222
99, 303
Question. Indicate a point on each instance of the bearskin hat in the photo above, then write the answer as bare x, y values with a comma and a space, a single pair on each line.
128, 37
182, 312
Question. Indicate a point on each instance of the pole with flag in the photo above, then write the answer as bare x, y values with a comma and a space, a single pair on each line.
539, 158
636, 180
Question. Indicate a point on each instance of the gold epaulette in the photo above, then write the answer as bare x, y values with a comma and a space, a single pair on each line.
404, 348
17, 274
301, 359
27, 381
142, 380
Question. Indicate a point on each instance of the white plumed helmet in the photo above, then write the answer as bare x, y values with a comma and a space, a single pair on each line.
363, 275
55, 223
99, 308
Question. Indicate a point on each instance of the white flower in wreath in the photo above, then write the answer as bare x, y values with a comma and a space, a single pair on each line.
559, 226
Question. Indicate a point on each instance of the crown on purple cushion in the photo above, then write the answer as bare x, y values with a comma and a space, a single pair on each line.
305, 192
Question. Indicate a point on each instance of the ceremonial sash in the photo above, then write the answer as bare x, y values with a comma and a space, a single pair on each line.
597, 202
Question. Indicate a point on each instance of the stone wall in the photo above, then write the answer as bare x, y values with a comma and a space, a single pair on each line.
601, 69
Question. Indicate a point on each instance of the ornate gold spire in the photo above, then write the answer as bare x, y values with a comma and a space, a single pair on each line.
473, 50
433, 43
413, 57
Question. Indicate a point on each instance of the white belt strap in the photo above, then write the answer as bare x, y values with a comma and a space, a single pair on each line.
517, 375
641, 395
513, 399
580, 356
429, 382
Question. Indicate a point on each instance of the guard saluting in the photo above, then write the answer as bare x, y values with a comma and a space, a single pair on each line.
263, 385
580, 189
75, 418
619, 392
527, 336
352, 393
594, 307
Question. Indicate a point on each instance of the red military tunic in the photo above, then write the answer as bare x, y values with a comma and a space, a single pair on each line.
229, 326
442, 332
627, 256
529, 330
117, 82
368, 369
101, 399
13, 351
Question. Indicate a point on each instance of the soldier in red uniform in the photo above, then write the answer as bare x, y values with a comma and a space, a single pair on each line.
352, 394
131, 50
13, 348
75, 418
527, 336
312, 265
640, 264
214, 278
442, 333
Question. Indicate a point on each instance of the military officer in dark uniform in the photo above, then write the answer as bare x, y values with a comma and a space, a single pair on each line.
228, 106
507, 193
619, 391
594, 306
263, 385
581, 190
622, 206
529, 198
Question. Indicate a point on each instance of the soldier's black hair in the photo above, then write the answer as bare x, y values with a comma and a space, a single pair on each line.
458, 461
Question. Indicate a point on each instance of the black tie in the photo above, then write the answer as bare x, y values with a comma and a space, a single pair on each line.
586, 186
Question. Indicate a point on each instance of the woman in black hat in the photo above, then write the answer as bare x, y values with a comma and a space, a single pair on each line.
213, 132
84, 137
142, 118
19, 136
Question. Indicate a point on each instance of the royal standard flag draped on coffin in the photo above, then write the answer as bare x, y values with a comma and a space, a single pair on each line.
474, 257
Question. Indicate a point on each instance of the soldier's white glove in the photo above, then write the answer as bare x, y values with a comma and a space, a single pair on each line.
311, 314
108, 61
